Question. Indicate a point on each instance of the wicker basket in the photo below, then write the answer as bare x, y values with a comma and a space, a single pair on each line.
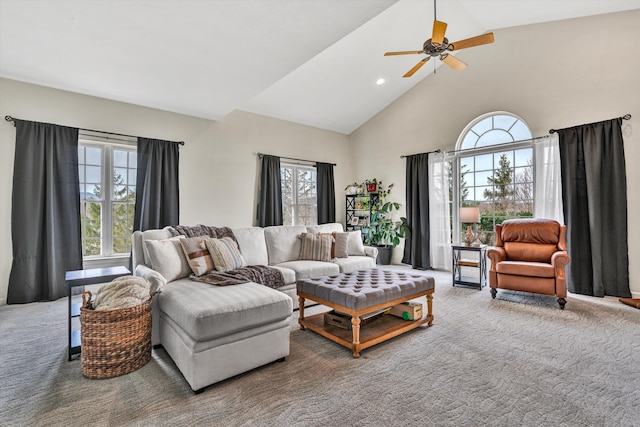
114, 342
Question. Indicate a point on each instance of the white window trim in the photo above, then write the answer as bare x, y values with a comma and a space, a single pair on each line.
107, 257
296, 219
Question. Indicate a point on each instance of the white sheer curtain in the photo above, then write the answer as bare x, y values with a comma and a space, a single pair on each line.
439, 221
548, 181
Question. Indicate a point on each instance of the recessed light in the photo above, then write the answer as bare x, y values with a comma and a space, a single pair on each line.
380, 81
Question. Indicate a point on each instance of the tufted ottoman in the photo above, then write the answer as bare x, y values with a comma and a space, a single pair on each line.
360, 293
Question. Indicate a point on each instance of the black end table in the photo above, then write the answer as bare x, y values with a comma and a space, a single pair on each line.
459, 261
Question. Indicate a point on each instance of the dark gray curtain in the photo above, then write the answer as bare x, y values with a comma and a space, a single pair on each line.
416, 246
594, 195
45, 212
326, 193
270, 197
157, 189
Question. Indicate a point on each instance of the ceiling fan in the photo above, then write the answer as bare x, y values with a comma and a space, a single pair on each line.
438, 45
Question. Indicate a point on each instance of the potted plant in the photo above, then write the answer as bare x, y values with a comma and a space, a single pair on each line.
384, 231
372, 185
353, 188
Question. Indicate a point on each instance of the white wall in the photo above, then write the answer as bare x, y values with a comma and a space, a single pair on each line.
553, 75
218, 164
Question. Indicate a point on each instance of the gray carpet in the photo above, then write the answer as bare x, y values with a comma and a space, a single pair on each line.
517, 360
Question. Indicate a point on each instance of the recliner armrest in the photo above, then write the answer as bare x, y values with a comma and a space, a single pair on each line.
496, 255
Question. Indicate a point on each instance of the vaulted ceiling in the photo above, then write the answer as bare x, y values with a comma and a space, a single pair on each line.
313, 62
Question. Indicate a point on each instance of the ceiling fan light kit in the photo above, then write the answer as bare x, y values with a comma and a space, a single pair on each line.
438, 45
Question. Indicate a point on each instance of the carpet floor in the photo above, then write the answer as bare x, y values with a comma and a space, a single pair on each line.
517, 360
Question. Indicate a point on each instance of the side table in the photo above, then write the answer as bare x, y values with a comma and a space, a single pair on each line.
459, 261
82, 278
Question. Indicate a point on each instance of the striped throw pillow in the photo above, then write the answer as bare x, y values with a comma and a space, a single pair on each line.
197, 254
315, 247
225, 254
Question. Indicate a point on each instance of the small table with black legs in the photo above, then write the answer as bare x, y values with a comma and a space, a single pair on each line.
459, 261
83, 278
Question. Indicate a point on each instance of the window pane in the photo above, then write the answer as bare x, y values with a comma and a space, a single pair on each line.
469, 140
120, 176
466, 164
520, 131
484, 162
482, 177
503, 122
133, 159
131, 178
80, 154
494, 137
94, 174
483, 126
119, 158
94, 156
524, 157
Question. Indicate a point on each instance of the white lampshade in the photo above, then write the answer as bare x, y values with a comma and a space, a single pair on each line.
468, 215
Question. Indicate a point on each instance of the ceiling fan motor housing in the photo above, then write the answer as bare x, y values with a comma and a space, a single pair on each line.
432, 49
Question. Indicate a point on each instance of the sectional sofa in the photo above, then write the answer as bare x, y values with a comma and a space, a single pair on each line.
215, 332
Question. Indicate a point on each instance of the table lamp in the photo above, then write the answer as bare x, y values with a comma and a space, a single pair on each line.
469, 216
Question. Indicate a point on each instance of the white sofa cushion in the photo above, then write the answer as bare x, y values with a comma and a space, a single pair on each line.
354, 263
288, 274
153, 235
167, 258
308, 269
283, 243
325, 228
252, 245
356, 247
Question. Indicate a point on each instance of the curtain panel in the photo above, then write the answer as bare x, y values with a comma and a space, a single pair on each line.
548, 182
594, 193
45, 212
439, 214
270, 194
157, 188
416, 246
326, 193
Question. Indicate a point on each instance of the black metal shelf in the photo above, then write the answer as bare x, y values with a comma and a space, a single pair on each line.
459, 263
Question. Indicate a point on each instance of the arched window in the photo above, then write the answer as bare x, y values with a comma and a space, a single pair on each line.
493, 171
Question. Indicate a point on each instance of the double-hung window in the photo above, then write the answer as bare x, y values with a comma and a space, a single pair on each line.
299, 194
107, 175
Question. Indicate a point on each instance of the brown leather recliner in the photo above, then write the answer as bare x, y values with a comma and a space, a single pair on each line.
530, 256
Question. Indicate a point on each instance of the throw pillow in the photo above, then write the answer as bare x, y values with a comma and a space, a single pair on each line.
167, 258
225, 254
315, 247
356, 247
197, 256
341, 245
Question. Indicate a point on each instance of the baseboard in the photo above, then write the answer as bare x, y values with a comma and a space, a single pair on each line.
635, 294
3, 301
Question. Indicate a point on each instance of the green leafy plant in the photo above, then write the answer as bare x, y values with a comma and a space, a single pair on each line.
383, 229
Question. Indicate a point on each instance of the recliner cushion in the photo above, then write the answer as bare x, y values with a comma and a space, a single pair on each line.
532, 269
543, 231
517, 251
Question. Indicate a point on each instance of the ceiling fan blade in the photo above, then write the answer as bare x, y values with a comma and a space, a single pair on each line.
412, 71
453, 62
406, 52
439, 28
473, 41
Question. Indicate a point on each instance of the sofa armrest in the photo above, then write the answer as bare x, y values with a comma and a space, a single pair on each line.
155, 279
371, 252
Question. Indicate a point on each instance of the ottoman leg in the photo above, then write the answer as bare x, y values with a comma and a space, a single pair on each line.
430, 309
355, 327
301, 313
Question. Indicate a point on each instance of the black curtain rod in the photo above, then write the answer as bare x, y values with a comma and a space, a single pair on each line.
428, 152
11, 119
625, 117
260, 155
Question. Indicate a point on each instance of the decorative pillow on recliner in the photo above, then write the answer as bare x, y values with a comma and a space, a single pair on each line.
225, 254
197, 256
315, 247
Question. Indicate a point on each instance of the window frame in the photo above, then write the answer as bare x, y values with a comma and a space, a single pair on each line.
456, 203
296, 211
107, 200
